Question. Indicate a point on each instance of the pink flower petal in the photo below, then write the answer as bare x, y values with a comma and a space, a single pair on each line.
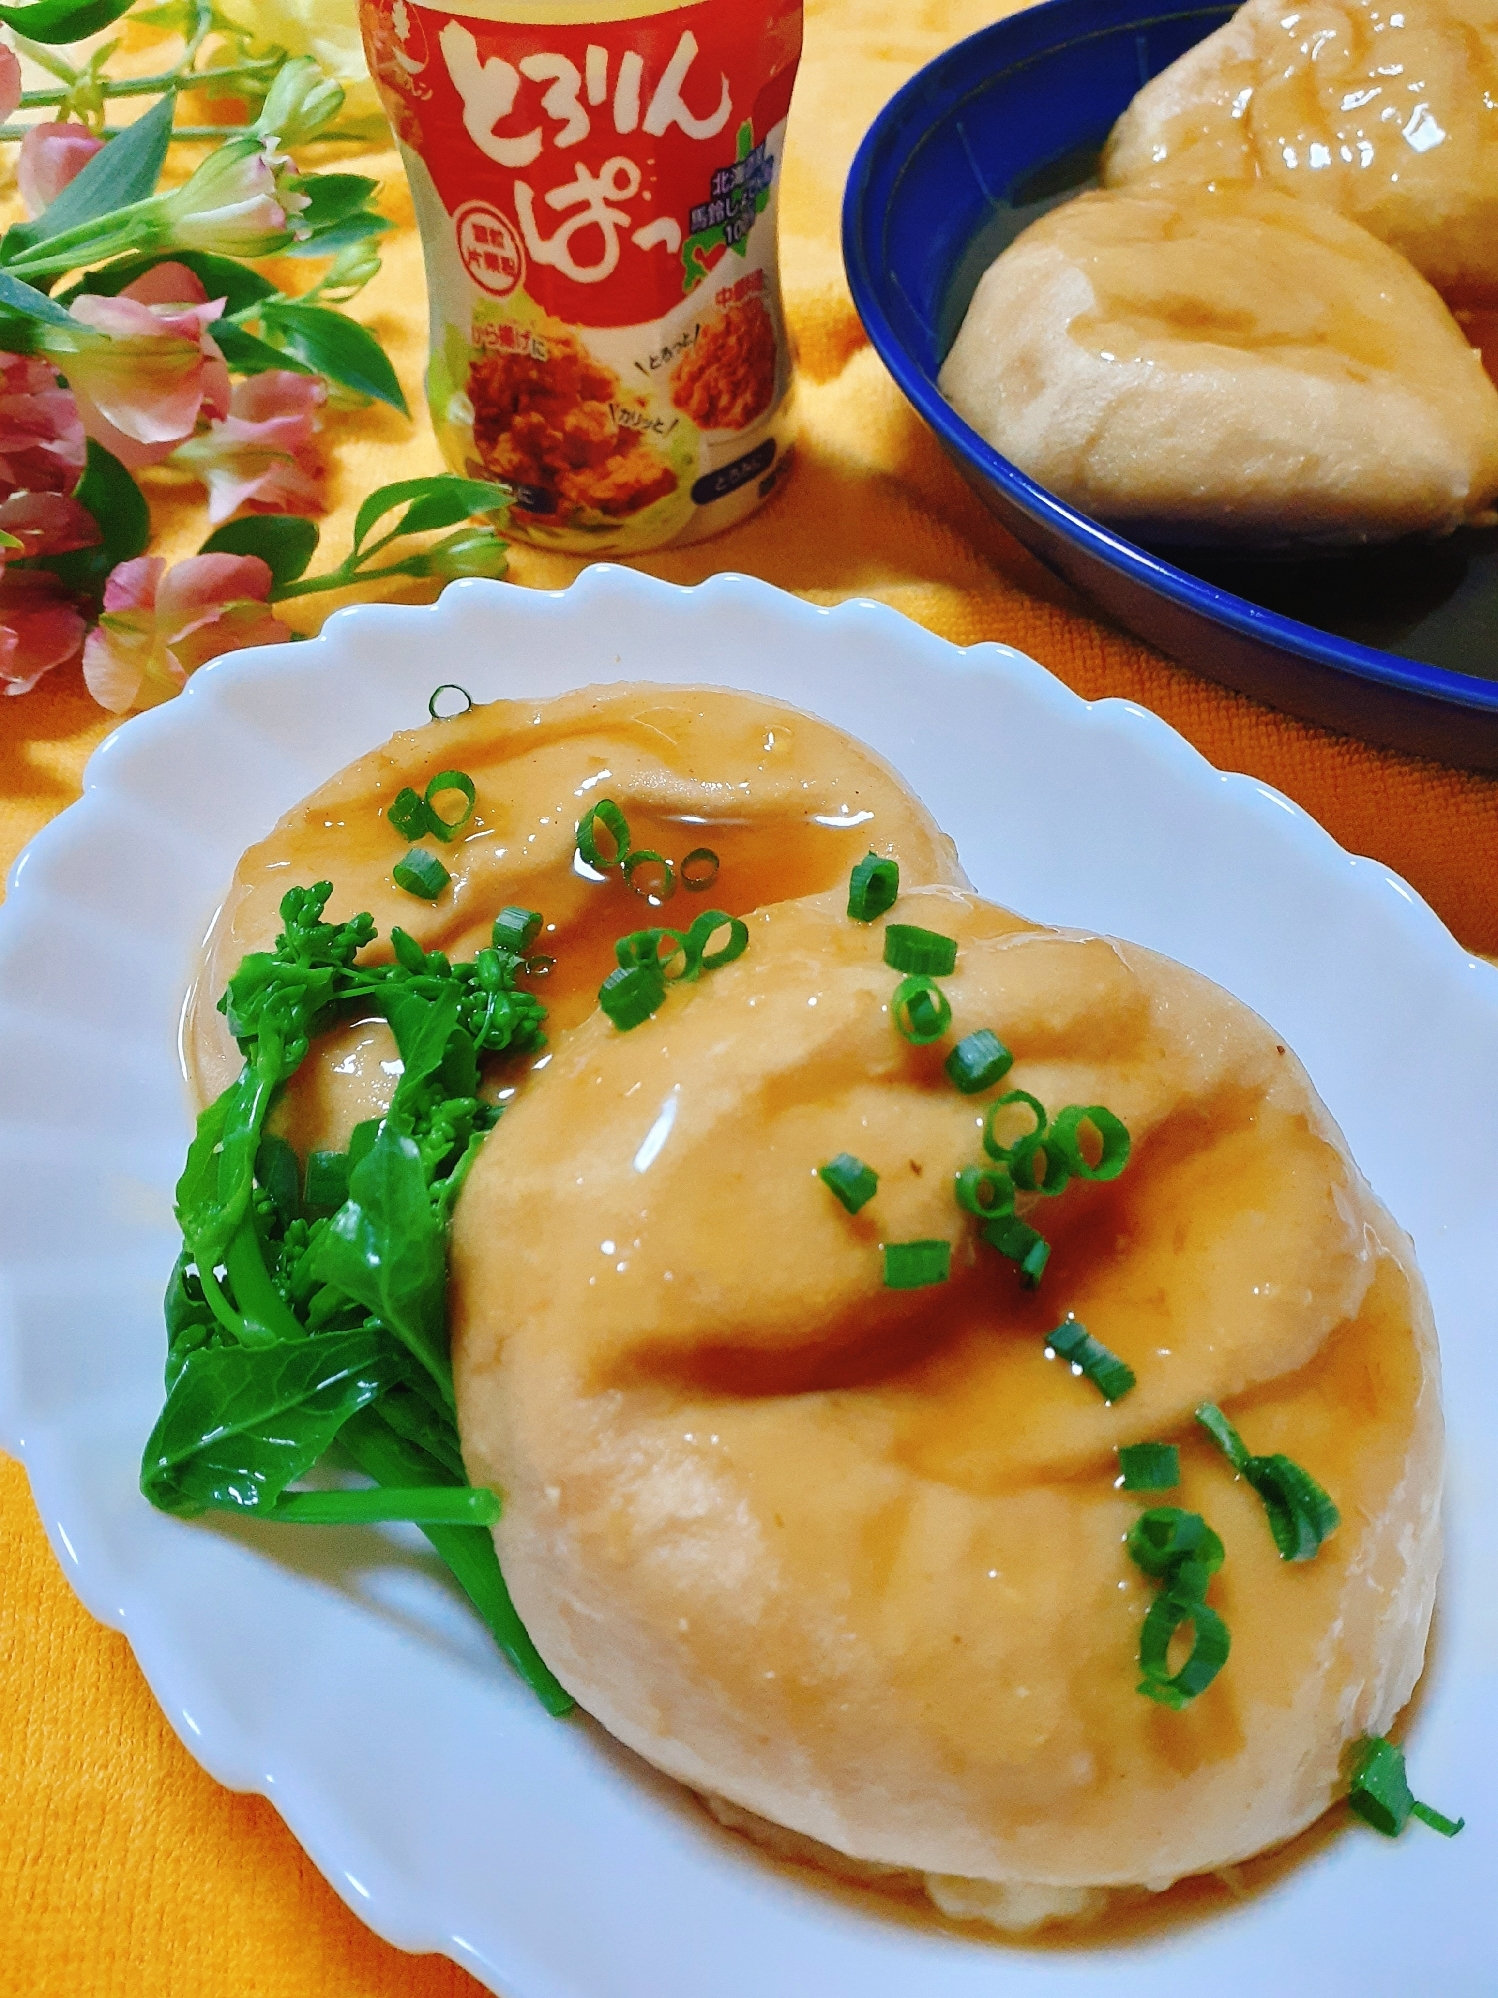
11, 85
147, 390
227, 630
205, 583
129, 317
51, 156
48, 523
117, 658
37, 640
278, 394
133, 585
169, 284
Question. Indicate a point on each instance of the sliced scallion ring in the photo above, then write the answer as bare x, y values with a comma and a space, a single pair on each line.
986, 1191
699, 870
447, 829
921, 1010
659, 876
1112, 1136
1209, 1650
608, 815
991, 1145
873, 888
451, 714
706, 927
926, 952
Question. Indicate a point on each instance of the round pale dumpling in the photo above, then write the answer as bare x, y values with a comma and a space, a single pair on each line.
1382, 112
851, 1558
1227, 367
785, 802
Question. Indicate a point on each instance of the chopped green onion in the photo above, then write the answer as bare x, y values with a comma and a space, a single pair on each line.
926, 952
1072, 1342
445, 781
978, 1061
1300, 1513
1036, 1108
1209, 1650
408, 814
873, 887
1112, 1136
705, 928
699, 870
420, 874
644, 947
327, 1179
1149, 1467
664, 886
854, 1183
1165, 1541
631, 994
1020, 1242
1380, 1791
1054, 1175
986, 1191
422, 1505
921, 1010
914, 1265
515, 930
608, 815
1223, 1434
449, 687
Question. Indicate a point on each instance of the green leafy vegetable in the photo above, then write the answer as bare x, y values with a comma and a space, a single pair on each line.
290, 1327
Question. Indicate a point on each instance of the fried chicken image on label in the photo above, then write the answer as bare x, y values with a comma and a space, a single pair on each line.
727, 378
552, 425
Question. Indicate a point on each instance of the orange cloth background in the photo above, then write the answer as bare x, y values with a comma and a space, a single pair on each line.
124, 1869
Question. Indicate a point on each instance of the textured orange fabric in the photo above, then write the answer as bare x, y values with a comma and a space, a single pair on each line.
123, 1869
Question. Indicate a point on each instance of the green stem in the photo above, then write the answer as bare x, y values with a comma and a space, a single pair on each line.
432, 1505
391, 1460
341, 578
155, 86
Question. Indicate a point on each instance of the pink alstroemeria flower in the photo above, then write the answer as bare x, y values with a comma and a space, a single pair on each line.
39, 626
42, 447
161, 624
143, 366
11, 85
262, 454
52, 155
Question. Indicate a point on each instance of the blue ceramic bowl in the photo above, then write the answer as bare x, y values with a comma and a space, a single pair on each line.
1399, 646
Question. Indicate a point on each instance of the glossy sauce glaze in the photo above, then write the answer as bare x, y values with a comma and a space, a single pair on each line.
852, 1557
1387, 112
786, 802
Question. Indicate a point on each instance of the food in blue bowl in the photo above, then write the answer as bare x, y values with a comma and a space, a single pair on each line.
1394, 643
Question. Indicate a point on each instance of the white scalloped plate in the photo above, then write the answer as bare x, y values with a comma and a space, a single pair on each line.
336, 1672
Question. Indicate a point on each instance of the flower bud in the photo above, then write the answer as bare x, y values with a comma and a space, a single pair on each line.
239, 203
301, 101
470, 551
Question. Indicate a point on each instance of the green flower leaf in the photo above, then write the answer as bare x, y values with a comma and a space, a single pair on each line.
126, 171
353, 228
54, 21
117, 503
285, 542
332, 198
23, 301
332, 345
441, 500
240, 1423
249, 356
